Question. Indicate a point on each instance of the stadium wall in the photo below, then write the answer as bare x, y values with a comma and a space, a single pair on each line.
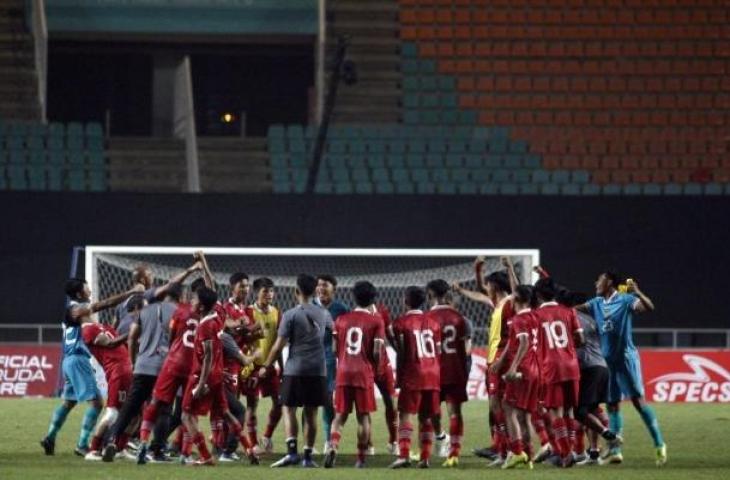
676, 247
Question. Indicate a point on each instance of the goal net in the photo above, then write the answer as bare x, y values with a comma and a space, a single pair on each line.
109, 271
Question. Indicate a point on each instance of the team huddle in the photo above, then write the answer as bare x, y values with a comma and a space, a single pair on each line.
175, 355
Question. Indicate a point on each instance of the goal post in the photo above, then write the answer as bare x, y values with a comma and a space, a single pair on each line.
109, 270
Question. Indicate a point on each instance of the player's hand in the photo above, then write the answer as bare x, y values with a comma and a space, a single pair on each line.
138, 288
506, 262
263, 371
479, 261
512, 376
200, 391
631, 285
456, 287
198, 255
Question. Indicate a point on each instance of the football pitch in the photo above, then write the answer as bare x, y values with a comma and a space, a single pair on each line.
697, 438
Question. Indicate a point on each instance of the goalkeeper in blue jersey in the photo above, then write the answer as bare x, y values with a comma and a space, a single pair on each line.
326, 286
614, 314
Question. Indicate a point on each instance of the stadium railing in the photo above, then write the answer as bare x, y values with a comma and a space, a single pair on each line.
684, 338
40, 40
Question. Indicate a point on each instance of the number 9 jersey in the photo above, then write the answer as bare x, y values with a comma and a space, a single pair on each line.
355, 333
419, 339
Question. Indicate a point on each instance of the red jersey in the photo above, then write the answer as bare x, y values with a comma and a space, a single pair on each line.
524, 324
183, 325
355, 333
419, 338
384, 314
558, 359
455, 331
236, 311
208, 330
112, 360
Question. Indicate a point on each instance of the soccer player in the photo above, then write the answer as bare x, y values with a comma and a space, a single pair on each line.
110, 350
593, 385
417, 341
494, 291
326, 287
79, 381
559, 331
359, 337
455, 362
304, 381
173, 377
133, 305
148, 345
522, 378
614, 315
267, 316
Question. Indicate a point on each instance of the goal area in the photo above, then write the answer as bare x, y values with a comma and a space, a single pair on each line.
109, 270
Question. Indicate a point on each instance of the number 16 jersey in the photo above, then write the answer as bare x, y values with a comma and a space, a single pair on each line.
355, 333
419, 339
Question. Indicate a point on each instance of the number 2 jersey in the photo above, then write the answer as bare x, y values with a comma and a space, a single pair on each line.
183, 325
455, 330
558, 358
355, 333
419, 338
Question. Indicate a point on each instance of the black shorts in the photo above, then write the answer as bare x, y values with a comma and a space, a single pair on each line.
303, 391
593, 386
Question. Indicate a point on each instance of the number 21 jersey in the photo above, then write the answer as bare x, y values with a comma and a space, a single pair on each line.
419, 338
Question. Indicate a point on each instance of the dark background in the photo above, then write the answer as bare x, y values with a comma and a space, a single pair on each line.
675, 247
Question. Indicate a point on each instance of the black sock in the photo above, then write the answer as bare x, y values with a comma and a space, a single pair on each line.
594, 454
307, 453
608, 435
291, 446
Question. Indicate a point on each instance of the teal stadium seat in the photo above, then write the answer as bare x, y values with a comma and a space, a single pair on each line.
363, 187
508, 189
440, 175
460, 175
590, 189
693, 189
560, 177
376, 161
380, 175
632, 189
531, 161
446, 188
521, 176
343, 188
420, 175
529, 189
467, 188
454, 160
492, 161
540, 176
323, 187
405, 188
427, 188
97, 180
570, 189
713, 189
488, 189
396, 161
611, 189
652, 189
400, 175
384, 188
549, 189
672, 189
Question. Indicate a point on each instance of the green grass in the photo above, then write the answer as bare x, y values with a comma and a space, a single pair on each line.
697, 436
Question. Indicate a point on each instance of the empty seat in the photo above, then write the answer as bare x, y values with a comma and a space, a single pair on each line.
632, 189
420, 175
384, 188
560, 177
611, 189
427, 188
672, 189
651, 189
529, 189
467, 188
405, 188
549, 189
693, 189
590, 189
446, 188
508, 189
540, 176
343, 188
570, 189
363, 187
713, 189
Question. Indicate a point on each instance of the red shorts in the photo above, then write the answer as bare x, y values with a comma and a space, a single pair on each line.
424, 402
167, 386
264, 387
385, 381
214, 400
362, 398
523, 393
562, 394
118, 385
453, 394
495, 384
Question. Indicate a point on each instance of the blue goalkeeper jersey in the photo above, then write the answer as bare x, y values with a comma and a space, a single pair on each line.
336, 309
73, 342
614, 318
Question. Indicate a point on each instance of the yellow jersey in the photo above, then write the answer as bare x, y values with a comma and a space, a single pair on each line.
269, 321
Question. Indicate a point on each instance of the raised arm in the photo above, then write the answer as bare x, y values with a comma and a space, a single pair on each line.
479, 273
207, 275
513, 281
179, 278
77, 313
472, 295
645, 304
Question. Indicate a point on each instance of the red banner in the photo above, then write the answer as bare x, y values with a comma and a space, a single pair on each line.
29, 370
696, 376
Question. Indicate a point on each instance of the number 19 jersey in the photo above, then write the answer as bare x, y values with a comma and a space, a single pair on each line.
419, 338
558, 357
455, 330
355, 333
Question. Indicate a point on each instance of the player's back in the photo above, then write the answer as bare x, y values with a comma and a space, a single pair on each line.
355, 333
454, 332
111, 359
525, 323
418, 336
558, 358
183, 326
208, 329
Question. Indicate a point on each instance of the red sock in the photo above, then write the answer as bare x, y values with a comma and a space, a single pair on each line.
187, 443
202, 447
149, 415
251, 429
425, 430
539, 425
391, 420
95, 444
178, 438
456, 432
361, 451
578, 436
562, 439
274, 417
215, 431
405, 431
122, 440
335, 439
516, 447
503, 442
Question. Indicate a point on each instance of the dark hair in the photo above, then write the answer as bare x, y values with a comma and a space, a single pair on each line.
237, 277
207, 297
523, 294
175, 291
74, 286
263, 282
364, 293
197, 284
135, 302
439, 287
328, 278
545, 289
306, 284
499, 280
613, 276
415, 296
